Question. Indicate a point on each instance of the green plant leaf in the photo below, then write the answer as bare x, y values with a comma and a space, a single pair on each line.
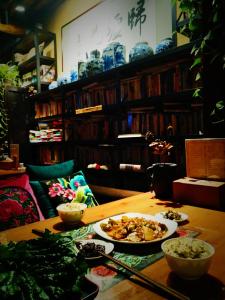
197, 93
198, 76
196, 62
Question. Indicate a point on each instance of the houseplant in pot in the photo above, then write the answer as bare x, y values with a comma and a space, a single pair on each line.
163, 172
9, 76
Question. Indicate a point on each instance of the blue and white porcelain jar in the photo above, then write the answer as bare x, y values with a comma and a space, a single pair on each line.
64, 79
140, 50
73, 75
165, 44
95, 63
53, 85
113, 56
82, 69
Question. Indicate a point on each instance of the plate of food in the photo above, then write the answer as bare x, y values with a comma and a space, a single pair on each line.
173, 215
135, 228
89, 248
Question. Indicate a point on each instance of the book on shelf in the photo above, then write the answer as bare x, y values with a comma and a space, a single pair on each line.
130, 167
130, 135
88, 109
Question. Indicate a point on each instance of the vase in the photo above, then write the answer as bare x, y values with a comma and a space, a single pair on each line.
82, 69
164, 45
139, 51
94, 64
161, 177
113, 56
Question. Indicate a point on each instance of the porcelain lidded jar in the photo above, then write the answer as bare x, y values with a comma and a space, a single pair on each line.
95, 63
140, 50
113, 56
165, 44
82, 69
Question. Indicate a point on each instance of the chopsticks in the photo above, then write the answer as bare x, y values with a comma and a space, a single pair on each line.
155, 284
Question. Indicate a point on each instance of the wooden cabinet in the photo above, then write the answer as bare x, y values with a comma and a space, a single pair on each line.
102, 120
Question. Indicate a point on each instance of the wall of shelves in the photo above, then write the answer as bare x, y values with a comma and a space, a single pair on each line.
35, 54
152, 94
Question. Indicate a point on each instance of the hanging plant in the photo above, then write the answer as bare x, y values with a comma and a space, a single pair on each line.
205, 27
9, 76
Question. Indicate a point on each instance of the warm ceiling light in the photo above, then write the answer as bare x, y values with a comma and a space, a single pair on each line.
20, 8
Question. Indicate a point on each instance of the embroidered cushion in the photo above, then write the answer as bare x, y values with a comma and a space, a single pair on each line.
17, 207
22, 181
70, 188
74, 185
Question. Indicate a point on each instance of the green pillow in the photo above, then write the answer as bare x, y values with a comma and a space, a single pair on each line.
45, 204
50, 196
48, 172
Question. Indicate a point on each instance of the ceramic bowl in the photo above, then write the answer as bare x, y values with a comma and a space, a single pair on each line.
71, 213
189, 258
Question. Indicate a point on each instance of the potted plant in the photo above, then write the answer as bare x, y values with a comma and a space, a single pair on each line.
162, 173
9, 76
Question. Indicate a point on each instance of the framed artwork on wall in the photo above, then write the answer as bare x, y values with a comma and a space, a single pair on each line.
127, 22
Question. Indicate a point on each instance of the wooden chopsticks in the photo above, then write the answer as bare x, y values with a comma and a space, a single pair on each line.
155, 284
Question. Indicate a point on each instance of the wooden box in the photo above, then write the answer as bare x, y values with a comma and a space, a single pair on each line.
203, 193
205, 158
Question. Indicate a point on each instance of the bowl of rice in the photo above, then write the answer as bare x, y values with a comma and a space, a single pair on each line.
71, 213
189, 258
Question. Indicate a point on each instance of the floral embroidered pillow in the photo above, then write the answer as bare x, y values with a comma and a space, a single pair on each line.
17, 208
71, 188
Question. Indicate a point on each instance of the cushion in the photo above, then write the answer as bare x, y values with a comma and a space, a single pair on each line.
48, 172
17, 207
51, 193
22, 181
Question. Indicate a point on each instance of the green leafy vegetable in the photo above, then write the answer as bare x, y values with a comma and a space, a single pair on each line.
41, 269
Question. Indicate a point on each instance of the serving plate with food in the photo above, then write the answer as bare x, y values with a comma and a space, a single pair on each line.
135, 228
90, 248
173, 215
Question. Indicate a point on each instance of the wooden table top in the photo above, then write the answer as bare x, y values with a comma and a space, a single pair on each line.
209, 223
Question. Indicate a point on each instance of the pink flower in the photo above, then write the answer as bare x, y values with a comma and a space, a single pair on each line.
69, 194
56, 190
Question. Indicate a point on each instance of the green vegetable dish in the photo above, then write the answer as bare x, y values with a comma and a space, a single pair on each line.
43, 268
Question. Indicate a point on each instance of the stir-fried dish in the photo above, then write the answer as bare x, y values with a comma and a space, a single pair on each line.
172, 215
134, 229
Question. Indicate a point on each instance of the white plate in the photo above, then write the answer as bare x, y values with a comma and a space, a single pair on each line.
184, 216
171, 225
108, 246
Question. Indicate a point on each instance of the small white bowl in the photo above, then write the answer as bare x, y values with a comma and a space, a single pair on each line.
182, 256
71, 213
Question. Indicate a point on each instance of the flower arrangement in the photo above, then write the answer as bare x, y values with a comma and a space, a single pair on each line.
161, 148
73, 189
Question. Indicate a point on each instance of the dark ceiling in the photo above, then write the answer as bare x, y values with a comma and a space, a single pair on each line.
37, 12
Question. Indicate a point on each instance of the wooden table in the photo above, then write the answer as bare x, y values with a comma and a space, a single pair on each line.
210, 223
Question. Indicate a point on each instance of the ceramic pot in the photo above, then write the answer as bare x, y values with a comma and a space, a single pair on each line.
139, 51
161, 177
82, 69
113, 56
165, 44
95, 63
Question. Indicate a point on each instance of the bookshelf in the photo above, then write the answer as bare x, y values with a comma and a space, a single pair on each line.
104, 118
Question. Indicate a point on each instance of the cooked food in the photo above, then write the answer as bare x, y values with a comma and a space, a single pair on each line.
134, 229
172, 215
89, 250
187, 248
